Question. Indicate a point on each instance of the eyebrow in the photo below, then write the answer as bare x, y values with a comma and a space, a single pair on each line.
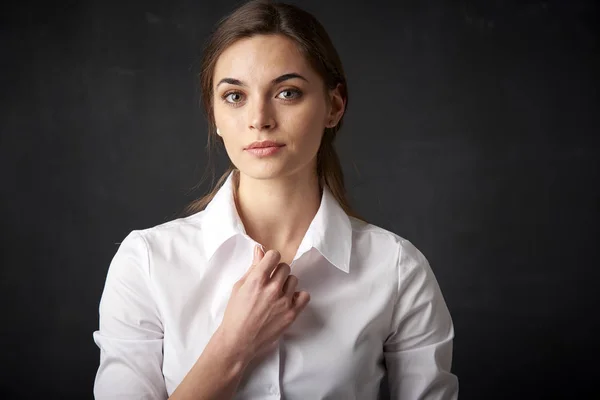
275, 81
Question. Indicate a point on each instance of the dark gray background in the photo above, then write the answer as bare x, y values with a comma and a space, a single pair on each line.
472, 131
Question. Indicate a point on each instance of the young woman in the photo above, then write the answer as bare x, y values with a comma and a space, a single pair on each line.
209, 306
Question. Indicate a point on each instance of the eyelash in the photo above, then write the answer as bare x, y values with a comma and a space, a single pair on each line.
297, 92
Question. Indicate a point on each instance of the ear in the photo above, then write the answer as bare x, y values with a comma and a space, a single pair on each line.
337, 106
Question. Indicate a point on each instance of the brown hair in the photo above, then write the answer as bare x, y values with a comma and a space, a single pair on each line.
258, 17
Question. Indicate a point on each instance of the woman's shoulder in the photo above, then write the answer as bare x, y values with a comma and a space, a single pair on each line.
386, 237
172, 229
362, 228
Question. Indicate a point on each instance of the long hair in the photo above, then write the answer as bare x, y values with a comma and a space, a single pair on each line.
258, 17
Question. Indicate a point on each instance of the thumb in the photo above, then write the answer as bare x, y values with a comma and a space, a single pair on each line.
258, 255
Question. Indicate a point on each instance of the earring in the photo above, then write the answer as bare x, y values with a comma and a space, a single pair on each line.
218, 132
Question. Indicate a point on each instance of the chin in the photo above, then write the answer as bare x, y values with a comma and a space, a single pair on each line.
271, 169
263, 171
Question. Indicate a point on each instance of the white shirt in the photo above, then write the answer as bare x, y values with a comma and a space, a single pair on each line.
375, 305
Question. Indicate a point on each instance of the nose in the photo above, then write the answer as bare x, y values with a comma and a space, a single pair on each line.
260, 116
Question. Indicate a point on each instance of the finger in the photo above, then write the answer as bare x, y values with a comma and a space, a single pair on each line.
258, 254
301, 299
289, 286
256, 258
267, 264
281, 274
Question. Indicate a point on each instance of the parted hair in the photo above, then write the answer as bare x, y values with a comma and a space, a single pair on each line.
266, 17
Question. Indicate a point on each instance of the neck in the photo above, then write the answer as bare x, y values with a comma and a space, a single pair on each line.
277, 212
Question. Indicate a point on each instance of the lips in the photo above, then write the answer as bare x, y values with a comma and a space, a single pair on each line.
264, 144
265, 151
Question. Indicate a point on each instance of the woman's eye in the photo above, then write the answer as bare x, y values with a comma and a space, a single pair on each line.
290, 94
233, 97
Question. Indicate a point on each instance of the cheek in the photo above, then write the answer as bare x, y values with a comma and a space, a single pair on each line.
229, 124
306, 125
223, 116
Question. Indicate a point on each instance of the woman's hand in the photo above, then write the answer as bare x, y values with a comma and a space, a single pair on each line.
262, 305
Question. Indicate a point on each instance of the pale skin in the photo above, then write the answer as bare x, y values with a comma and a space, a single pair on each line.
277, 198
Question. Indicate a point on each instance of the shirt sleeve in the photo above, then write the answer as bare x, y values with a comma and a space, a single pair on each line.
418, 351
130, 335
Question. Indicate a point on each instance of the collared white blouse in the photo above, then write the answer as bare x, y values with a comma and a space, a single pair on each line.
375, 305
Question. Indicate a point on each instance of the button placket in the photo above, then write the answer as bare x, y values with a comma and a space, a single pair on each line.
274, 387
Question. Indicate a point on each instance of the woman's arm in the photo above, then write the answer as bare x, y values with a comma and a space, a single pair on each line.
216, 374
418, 351
130, 335
130, 339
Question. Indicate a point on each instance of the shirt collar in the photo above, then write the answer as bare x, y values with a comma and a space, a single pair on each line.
330, 231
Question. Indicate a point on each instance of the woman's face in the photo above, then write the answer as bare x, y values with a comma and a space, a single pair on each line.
264, 89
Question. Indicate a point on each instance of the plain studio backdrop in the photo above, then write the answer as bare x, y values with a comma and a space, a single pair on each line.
487, 111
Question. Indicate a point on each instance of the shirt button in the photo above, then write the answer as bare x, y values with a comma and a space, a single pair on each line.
273, 390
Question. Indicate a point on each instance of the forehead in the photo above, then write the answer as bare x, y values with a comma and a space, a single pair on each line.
261, 57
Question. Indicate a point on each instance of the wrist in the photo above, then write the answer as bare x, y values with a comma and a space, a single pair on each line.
229, 348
